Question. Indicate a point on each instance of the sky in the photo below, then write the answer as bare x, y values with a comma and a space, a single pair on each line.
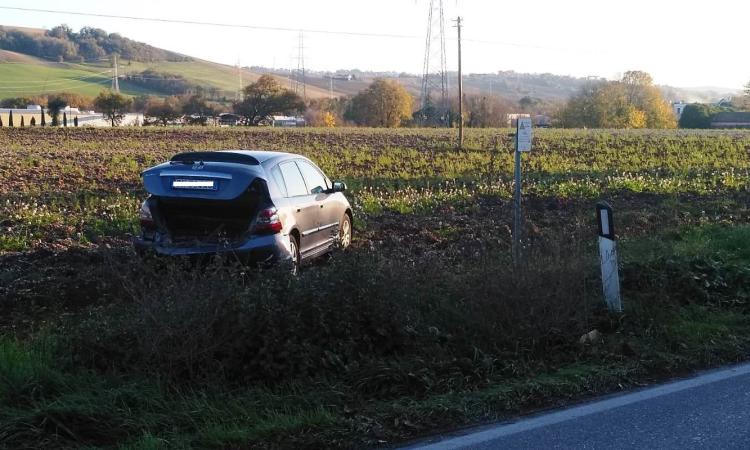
683, 43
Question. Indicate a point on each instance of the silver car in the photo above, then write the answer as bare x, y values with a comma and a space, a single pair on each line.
260, 206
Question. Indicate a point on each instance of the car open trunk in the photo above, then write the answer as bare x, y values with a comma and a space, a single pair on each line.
205, 220
206, 196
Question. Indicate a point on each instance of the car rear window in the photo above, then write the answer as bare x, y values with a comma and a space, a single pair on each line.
295, 184
316, 182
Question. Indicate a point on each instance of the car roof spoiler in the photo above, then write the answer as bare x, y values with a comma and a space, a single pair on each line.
226, 157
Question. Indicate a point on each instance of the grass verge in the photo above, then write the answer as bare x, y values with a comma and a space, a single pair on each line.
362, 351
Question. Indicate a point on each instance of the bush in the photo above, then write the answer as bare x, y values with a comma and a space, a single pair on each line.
360, 316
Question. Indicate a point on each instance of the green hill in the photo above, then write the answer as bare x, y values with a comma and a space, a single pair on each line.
25, 75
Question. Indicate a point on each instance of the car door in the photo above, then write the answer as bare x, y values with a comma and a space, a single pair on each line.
304, 205
329, 214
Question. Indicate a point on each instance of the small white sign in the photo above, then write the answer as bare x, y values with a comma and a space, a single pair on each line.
523, 135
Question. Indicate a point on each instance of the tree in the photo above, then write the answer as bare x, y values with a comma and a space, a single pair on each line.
484, 112
385, 103
196, 106
632, 102
23, 123
329, 120
32, 122
75, 100
10, 118
326, 112
164, 111
113, 105
75, 121
16, 102
267, 97
697, 115
637, 78
44, 120
527, 103
54, 106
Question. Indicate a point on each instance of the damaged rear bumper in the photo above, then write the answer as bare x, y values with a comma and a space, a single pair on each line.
263, 250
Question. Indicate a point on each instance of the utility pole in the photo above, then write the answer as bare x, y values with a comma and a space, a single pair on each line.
239, 77
460, 89
115, 82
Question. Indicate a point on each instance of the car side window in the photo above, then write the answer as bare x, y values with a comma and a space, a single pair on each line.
295, 184
316, 182
279, 179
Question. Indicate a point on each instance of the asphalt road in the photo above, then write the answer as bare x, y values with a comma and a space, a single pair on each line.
708, 411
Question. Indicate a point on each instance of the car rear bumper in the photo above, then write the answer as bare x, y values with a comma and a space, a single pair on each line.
256, 250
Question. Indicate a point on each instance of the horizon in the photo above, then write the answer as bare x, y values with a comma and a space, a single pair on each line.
665, 45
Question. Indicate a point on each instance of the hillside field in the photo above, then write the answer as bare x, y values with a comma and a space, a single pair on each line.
424, 324
23, 75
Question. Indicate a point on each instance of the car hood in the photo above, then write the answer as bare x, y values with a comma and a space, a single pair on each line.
201, 179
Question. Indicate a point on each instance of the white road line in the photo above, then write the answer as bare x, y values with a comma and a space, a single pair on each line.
584, 410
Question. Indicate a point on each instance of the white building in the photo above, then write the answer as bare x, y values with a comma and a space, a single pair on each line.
287, 121
678, 108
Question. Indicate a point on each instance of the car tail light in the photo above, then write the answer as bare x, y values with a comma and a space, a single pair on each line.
145, 216
268, 222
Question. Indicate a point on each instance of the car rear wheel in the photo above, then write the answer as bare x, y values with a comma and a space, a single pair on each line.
294, 251
345, 231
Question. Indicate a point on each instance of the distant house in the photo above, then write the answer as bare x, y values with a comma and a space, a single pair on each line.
542, 121
678, 108
229, 120
513, 118
731, 120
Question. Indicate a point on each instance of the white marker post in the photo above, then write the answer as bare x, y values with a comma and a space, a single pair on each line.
608, 257
523, 144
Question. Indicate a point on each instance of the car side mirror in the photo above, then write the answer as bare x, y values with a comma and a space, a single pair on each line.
339, 186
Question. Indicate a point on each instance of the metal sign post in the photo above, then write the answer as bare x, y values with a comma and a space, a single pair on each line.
608, 257
523, 144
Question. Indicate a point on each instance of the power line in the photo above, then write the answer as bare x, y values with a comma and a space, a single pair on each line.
582, 49
212, 24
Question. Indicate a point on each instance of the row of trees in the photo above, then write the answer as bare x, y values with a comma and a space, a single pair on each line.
55, 106
632, 102
384, 103
167, 83
195, 109
113, 105
63, 44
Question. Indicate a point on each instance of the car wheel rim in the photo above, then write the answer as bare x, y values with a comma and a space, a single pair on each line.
295, 255
346, 234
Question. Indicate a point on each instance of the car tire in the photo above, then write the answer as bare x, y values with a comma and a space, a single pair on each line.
345, 232
295, 255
